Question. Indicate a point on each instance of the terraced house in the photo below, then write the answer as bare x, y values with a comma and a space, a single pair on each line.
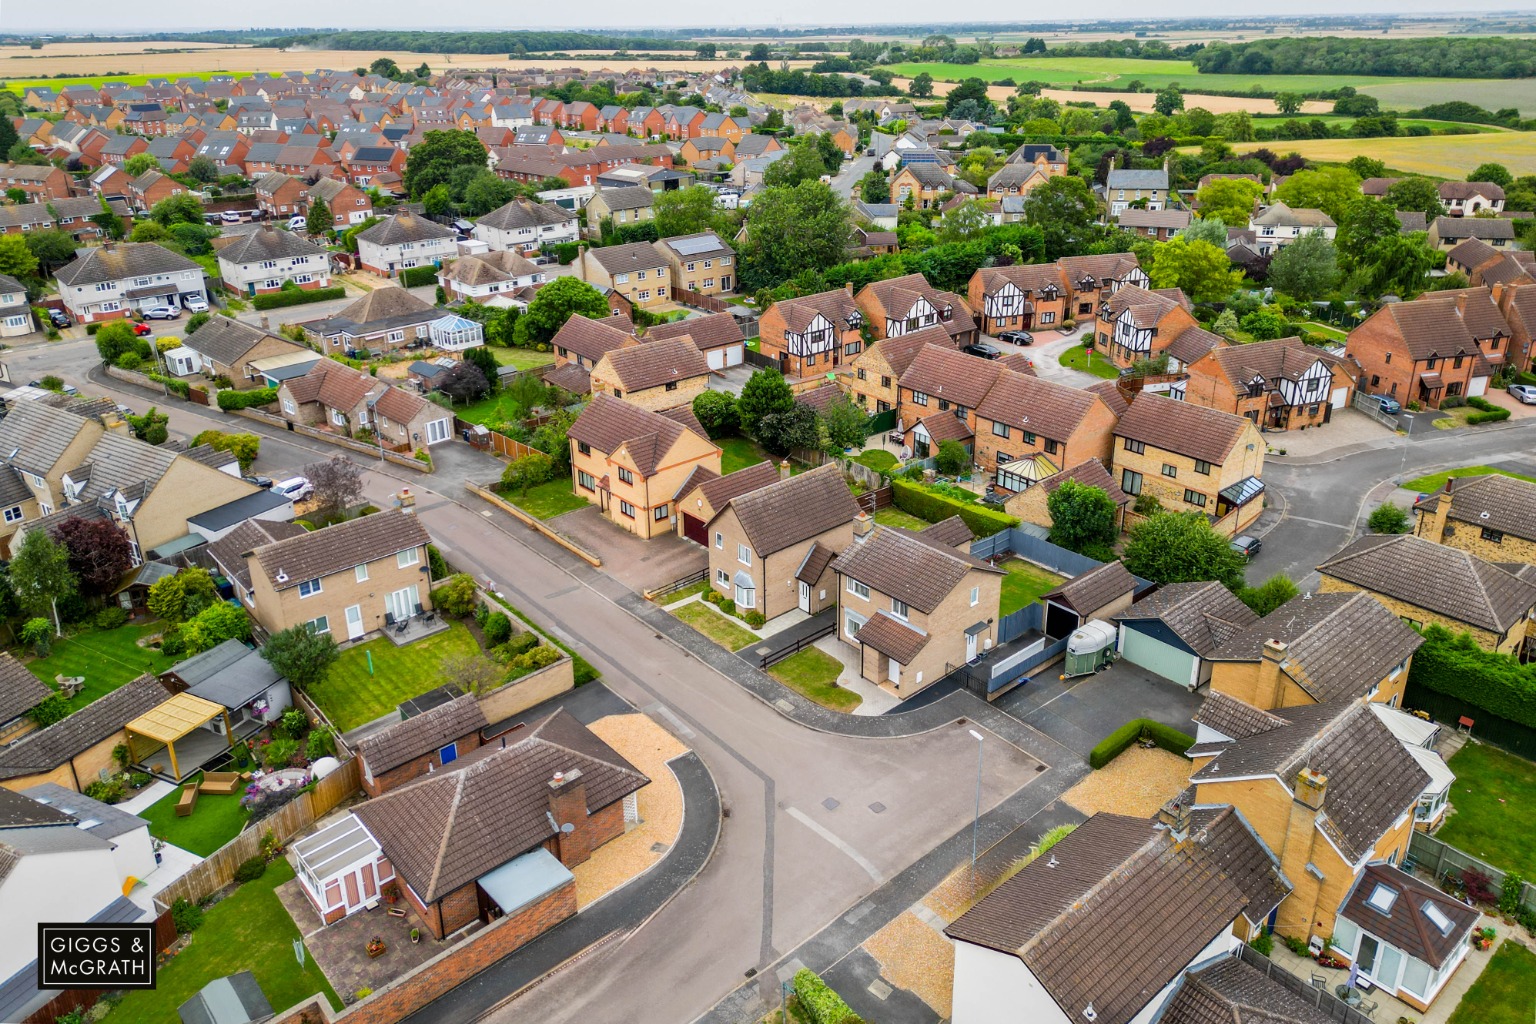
1492, 516
870, 381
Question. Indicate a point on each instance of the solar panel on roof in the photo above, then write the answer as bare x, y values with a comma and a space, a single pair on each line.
695, 246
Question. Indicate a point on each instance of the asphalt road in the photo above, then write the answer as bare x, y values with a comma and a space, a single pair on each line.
844, 180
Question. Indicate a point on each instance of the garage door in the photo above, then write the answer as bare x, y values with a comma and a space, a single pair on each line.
1157, 657
694, 529
733, 356
1340, 397
716, 358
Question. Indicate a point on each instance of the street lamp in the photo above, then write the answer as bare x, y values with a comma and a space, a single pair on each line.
976, 820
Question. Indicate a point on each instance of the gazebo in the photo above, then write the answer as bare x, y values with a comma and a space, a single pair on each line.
177, 726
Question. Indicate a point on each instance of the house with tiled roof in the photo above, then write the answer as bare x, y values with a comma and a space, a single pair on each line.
632, 463
334, 397
1438, 346
237, 350
266, 259
1174, 631
584, 341
1094, 279
1425, 583
871, 378
1135, 324
500, 276
812, 334
912, 605
393, 318
1020, 297
705, 492
662, 374
1448, 232
1281, 384
771, 548
403, 241
1192, 459
1028, 429
1277, 226
20, 692
109, 282
623, 204
700, 262
899, 305
636, 270
525, 226
717, 335
1469, 198
1493, 516
1124, 186
73, 751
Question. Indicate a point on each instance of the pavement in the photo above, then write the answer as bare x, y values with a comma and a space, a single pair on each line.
1046, 354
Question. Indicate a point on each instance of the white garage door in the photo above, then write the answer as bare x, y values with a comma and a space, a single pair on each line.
1157, 657
733, 356
1340, 397
1477, 386
716, 358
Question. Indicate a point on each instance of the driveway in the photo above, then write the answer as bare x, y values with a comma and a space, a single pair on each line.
1046, 354
640, 565
1080, 712
731, 380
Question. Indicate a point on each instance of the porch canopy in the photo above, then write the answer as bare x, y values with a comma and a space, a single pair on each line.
175, 721
522, 880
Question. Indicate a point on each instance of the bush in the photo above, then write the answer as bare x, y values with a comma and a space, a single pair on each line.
187, 915
110, 617
1454, 665
138, 780
129, 361
497, 628
229, 401
250, 870
436, 563
415, 277
952, 458
508, 651
38, 635
930, 507
536, 658
564, 252
52, 708
278, 753
108, 791
294, 724
321, 744
755, 619
1263, 943
1389, 518
1116, 743
817, 999
1494, 415
457, 596
277, 300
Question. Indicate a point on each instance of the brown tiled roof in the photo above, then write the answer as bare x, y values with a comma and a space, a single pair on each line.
836, 305
1031, 278
1242, 857
229, 550
683, 414
1405, 924
1018, 362
787, 512
1091, 473
949, 533
1474, 252
1049, 409
570, 377
590, 339
1107, 267
900, 641
1183, 427
1493, 502
1203, 615
1442, 579
1145, 308
819, 398
943, 426
722, 489
1229, 991
20, 690
47, 748
815, 562
918, 571
287, 563
1337, 645
895, 296
399, 405
944, 372
1469, 189
486, 267
716, 330
492, 805
608, 424
639, 367
1432, 328
1095, 588
404, 227
1278, 359
1112, 396
383, 303
1192, 344
332, 384
431, 730
1233, 718
899, 352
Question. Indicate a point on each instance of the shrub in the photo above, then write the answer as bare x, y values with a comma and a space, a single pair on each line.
564, 252
1509, 894
1475, 401
187, 915
277, 300
1495, 415
457, 596
1389, 518
508, 651
817, 999
755, 619
294, 724
1115, 744
926, 505
321, 744
229, 401
1480, 891
498, 629
536, 658
1263, 943
140, 779
415, 277
250, 870
278, 753
1454, 665
110, 617
38, 635
952, 458
129, 361
436, 563
52, 708
108, 791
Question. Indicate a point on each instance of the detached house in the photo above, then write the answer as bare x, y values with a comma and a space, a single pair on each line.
627, 204
700, 263
1282, 384
249, 356
109, 282
584, 342
1020, 297
660, 375
266, 259
898, 305
1469, 198
1093, 279
812, 334
1277, 226
1125, 186
771, 549
404, 241
1135, 324
525, 226
1448, 232
635, 270
1492, 516
337, 398
1192, 459
393, 318
871, 379
1431, 348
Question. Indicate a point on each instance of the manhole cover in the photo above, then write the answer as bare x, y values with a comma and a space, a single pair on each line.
879, 989
830, 804
877, 807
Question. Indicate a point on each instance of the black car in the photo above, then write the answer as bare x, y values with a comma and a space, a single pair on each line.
983, 350
1247, 546
264, 482
1017, 337
58, 317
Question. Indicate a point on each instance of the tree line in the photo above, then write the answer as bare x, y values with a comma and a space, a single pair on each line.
761, 78
470, 42
1440, 57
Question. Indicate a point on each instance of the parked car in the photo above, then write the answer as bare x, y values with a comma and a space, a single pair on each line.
142, 329
229, 217
1525, 393
1017, 337
68, 389
298, 223
195, 304
264, 482
983, 350
1247, 546
1389, 405
295, 488
58, 317
162, 312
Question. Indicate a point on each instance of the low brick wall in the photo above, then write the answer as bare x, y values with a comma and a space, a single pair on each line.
361, 447
528, 520
521, 694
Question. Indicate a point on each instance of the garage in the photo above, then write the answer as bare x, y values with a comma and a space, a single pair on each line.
1340, 398
695, 530
734, 355
716, 358
1157, 656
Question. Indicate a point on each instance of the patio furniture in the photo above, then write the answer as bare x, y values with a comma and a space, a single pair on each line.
389, 620
425, 615
402, 626
69, 686
1350, 995
1368, 1007
222, 783
188, 800
1320, 981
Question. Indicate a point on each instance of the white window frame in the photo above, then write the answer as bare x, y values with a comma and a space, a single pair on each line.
743, 554
408, 557
362, 573
319, 624
857, 589
309, 588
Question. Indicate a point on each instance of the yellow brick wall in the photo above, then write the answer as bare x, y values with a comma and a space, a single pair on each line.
1422, 616
85, 766
945, 626
655, 399
871, 390
278, 609
645, 494
1246, 459
1469, 537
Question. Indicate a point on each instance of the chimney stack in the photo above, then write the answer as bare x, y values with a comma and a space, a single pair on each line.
1311, 787
1174, 816
405, 501
862, 525
1271, 681
568, 810
266, 322
784, 470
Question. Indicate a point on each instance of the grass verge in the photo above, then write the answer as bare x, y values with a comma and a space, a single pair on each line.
715, 626
813, 674
549, 499
1435, 481
1089, 361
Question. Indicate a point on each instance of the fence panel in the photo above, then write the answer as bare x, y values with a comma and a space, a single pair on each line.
1043, 552
1487, 727
759, 359
501, 444
688, 297
1439, 857
1372, 408
1016, 624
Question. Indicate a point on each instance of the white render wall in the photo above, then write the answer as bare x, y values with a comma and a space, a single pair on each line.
996, 988
32, 895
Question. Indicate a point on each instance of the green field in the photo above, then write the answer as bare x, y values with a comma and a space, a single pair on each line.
21, 85
1462, 127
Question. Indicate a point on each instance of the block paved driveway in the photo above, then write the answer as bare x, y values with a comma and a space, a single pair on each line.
639, 564
1078, 713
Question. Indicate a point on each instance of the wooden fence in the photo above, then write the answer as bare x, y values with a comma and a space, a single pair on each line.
501, 444
288, 821
1439, 858
877, 499
692, 298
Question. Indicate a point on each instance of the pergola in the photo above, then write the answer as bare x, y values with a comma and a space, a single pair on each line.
172, 721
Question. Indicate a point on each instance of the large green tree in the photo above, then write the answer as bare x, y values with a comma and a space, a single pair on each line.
301, 655
1330, 189
1083, 518
140, 163
553, 305
435, 157
1307, 268
1181, 547
1415, 194
792, 230
921, 86
685, 211
1065, 211
1201, 269
53, 249
181, 208
1229, 199
1365, 223
803, 162
16, 257
41, 577
766, 393
1496, 173
486, 192
319, 219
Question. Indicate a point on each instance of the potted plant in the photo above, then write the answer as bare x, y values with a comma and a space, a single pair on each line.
157, 844
376, 947
415, 935
391, 893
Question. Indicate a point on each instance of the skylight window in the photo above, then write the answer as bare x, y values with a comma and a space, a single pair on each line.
1382, 898
1437, 918
88, 823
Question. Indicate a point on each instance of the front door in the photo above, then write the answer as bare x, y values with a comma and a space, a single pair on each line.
970, 647
354, 622
805, 596
893, 670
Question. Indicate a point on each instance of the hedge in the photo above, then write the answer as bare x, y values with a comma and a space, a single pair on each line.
229, 400
179, 388
582, 669
415, 277
297, 297
916, 500
1115, 744
819, 1002
1454, 665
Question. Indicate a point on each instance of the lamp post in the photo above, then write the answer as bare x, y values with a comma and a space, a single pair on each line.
976, 820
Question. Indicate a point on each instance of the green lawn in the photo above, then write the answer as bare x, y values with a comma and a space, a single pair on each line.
739, 453
553, 498
715, 626
1326, 330
351, 695
522, 358
1024, 584
813, 674
107, 660
495, 409
1434, 481
1505, 993
20, 85
249, 931
1089, 361
877, 459
213, 822
1495, 800
893, 516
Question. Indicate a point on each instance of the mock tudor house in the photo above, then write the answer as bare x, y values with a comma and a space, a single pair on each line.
1136, 324
700, 262
901, 305
660, 375
1020, 297
1282, 384
812, 334
404, 241
913, 605
1192, 459
1435, 347
1492, 516
1425, 583
632, 462
112, 281
267, 259
771, 549
525, 226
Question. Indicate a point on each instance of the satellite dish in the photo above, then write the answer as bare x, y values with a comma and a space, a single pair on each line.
568, 828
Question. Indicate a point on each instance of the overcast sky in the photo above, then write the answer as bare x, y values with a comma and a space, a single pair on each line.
34, 15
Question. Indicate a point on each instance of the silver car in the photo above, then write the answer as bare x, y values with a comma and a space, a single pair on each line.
1526, 393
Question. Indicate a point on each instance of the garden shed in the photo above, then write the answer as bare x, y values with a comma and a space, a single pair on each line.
187, 730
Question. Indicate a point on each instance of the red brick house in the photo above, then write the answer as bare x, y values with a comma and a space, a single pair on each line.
44, 181
429, 742
150, 187
1432, 348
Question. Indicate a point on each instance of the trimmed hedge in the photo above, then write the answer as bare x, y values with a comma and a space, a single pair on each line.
415, 277
918, 501
179, 388
297, 297
229, 400
817, 999
1116, 743
1454, 665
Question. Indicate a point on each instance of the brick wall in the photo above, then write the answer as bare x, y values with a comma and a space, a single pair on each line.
416, 767
1486, 639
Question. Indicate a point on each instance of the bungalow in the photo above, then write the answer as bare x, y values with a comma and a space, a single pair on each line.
1491, 516
393, 318
230, 348
20, 692
403, 241
335, 397
420, 745
1280, 385
266, 260
659, 375
76, 750
635, 270
1192, 459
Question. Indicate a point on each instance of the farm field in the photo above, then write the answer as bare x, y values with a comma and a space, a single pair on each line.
1441, 156
1405, 122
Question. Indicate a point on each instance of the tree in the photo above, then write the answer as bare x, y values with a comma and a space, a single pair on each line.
1306, 269
114, 338
472, 672
148, 231
139, 164
301, 655
921, 86
527, 471
435, 157
108, 221
203, 169
1389, 518
182, 208
338, 483
1201, 269
874, 187
1498, 174
465, 382
791, 230
319, 219
1181, 547
151, 428
437, 201
967, 221
1267, 596
844, 425
1229, 200
1397, 264
796, 427
485, 359
1415, 193
1168, 101
41, 577
99, 553
705, 51
1064, 209
16, 257
951, 458
716, 413
803, 163
486, 192
765, 394
192, 239
684, 211
180, 597
554, 304
53, 249
1083, 518
1206, 229
244, 447
1266, 323
1364, 224
1330, 189
969, 89
1289, 102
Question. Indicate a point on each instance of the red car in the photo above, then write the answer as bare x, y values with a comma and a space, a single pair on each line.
143, 329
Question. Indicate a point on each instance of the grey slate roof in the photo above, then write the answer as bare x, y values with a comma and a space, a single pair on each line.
48, 748
237, 682
628, 197
267, 243
225, 339
110, 821
404, 227
123, 260
1203, 615
20, 690
627, 258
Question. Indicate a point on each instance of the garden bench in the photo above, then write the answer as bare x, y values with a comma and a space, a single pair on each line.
188, 800
222, 783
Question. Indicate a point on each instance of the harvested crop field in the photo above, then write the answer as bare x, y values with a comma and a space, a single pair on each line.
1442, 156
